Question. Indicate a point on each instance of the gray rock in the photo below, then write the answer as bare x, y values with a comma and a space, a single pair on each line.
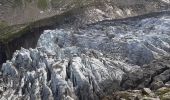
157, 85
147, 91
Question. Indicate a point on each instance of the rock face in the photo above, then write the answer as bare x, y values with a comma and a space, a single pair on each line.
154, 76
144, 94
24, 11
90, 62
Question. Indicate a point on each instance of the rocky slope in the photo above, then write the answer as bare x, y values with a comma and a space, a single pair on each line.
91, 62
162, 93
14, 12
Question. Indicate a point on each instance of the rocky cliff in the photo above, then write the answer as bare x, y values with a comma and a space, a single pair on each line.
14, 12
91, 62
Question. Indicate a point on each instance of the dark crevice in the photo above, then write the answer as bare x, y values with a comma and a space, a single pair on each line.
3, 55
68, 70
48, 74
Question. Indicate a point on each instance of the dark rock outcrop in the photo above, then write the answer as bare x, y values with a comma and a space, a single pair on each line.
154, 76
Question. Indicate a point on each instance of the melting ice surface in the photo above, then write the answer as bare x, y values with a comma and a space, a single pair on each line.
138, 41
88, 63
